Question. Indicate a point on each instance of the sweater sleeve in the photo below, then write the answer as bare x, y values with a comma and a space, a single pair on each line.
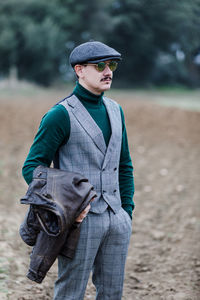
126, 179
54, 130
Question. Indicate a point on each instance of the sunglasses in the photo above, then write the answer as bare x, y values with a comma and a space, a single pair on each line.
100, 67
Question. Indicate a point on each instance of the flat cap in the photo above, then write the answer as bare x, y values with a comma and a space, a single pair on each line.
92, 52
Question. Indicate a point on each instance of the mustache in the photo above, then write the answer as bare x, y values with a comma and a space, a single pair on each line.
105, 78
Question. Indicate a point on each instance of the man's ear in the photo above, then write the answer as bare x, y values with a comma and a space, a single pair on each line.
79, 70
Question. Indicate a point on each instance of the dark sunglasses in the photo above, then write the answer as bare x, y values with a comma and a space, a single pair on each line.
100, 67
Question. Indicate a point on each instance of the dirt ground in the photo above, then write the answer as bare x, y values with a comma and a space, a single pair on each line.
164, 254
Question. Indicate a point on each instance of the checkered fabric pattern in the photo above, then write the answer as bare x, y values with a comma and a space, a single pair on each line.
86, 152
102, 249
106, 230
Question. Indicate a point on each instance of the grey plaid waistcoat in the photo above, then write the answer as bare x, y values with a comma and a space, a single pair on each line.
86, 152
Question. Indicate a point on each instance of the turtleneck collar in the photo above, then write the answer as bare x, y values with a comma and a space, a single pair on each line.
86, 96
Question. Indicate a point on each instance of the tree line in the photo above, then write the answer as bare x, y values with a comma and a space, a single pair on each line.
159, 39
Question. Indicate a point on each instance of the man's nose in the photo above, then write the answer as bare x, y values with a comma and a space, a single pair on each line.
107, 71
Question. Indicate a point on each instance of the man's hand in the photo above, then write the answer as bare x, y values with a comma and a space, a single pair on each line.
83, 214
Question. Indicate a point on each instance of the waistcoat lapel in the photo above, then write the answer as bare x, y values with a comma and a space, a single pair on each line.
87, 122
116, 126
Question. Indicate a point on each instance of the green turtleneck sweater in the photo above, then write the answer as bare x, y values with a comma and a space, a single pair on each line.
54, 131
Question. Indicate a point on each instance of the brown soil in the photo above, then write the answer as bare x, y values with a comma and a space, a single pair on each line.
164, 258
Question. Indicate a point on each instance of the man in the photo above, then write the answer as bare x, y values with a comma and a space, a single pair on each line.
86, 133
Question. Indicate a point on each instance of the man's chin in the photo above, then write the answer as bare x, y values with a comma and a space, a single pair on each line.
106, 86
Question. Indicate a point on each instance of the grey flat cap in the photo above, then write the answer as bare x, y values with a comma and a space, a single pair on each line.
92, 52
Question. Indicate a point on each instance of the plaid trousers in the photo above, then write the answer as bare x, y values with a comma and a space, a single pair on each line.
102, 249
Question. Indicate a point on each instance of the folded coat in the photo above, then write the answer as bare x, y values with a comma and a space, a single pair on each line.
56, 198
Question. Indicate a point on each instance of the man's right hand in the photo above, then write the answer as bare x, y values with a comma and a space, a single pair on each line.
83, 214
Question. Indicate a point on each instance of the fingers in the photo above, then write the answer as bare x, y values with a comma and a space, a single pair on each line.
83, 214
93, 198
87, 208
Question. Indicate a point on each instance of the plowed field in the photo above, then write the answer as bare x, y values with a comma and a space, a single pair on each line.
164, 254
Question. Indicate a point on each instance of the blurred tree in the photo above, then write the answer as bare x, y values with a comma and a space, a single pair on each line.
159, 40
28, 39
35, 36
156, 38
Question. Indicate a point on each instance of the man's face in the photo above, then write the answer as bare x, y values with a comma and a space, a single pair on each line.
93, 80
